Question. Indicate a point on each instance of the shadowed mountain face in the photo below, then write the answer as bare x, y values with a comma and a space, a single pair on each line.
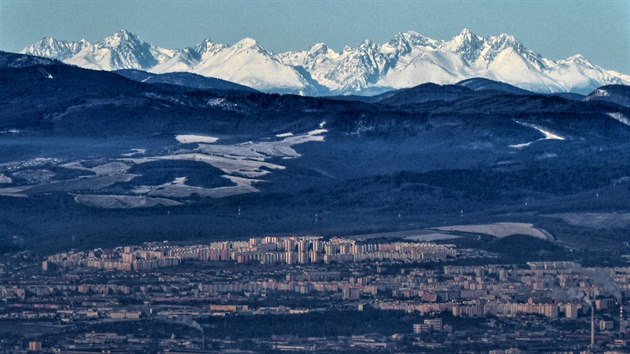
183, 79
480, 84
106, 159
619, 94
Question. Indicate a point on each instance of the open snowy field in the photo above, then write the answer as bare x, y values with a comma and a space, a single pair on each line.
502, 229
121, 182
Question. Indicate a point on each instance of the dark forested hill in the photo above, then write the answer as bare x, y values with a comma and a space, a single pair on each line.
97, 158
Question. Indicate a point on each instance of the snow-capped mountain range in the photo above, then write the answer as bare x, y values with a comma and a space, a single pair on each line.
407, 60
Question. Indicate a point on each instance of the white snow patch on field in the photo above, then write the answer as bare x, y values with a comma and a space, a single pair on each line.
248, 168
135, 152
520, 146
108, 169
263, 150
180, 180
16, 192
184, 191
548, 135
240, 181
122, 201
432, 237
317, 132
179, 189
243, 164
620, 117
191, 138
4, 179
500, 230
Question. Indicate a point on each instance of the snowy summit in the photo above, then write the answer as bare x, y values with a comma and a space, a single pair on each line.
407, 60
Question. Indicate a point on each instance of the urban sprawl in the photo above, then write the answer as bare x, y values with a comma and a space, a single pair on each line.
410, 296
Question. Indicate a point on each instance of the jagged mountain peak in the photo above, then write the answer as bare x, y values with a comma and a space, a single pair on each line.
367, 47
467, 44
466, 32
318, 48
403, 43
123, 34
497, 44
123, 49
206, 46
122, 38
367, 43
407, 59
247, 42
50, 47
48, 41
415, 38
578, 59
503, 41
506, 38
466, 36
409, 35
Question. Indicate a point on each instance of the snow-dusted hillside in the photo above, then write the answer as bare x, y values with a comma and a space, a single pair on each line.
407, 60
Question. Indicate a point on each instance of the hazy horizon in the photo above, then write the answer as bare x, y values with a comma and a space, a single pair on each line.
555, 30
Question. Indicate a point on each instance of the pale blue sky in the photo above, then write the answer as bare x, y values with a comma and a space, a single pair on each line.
598, 29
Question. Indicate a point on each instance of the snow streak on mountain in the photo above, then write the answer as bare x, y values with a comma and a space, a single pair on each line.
407, 60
